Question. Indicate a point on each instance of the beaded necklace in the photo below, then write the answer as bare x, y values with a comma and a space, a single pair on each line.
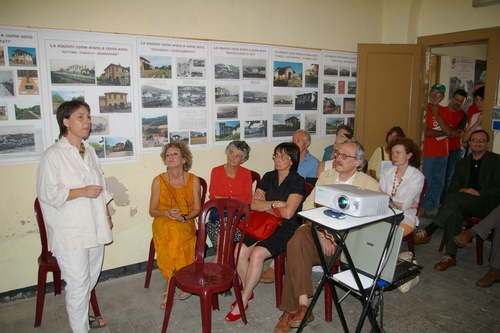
82, 149
172, 197
394, 186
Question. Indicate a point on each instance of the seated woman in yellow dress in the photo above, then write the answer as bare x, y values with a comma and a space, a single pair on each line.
174, 204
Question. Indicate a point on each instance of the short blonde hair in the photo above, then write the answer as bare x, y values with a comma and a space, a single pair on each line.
185, 152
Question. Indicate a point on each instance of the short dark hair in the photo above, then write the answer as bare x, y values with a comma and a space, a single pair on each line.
460, 92
398, 130
292, 150
345, 127
410, 147
479, 92
64, 111
480, 131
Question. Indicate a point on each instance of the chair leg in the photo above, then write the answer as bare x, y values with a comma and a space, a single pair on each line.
279, 274
206, 313
151, 260
479, 250
443, 241
40, 295
328, 303
170, 301
95, 305
57, 282
411, 244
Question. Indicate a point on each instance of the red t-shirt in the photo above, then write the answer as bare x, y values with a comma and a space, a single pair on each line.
432, 146
472, 111
458, 121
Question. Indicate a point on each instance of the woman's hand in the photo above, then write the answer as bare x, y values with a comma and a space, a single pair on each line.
259, 194
92, 191
174, 214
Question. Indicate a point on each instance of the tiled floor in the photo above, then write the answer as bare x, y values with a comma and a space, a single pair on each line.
442, 302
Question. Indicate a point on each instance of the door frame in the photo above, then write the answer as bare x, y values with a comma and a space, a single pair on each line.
491, 36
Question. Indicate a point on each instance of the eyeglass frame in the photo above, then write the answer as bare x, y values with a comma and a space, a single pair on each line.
282, 157
343, 156
475, 140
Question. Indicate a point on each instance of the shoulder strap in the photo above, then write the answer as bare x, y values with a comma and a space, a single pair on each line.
383, 156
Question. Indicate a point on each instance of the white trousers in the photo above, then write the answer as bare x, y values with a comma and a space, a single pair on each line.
80, 269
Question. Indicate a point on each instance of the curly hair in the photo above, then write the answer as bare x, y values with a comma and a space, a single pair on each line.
185, 152
399, 133
241, 146
410, 147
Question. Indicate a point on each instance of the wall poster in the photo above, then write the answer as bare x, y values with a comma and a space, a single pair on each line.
173, 88
95, 68
240, 92
295, 92
21, 119
462, 77
338, 90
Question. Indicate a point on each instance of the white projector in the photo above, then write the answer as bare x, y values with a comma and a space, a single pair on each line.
352, 200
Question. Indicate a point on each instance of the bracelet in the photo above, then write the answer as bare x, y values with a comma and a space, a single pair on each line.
108, 216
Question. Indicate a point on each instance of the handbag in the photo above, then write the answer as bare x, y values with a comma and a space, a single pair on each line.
261, 224
405, 287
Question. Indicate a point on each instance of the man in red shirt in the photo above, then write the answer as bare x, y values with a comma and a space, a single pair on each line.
458, 122
438, 119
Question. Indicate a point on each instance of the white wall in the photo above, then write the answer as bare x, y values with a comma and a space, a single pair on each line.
322, 24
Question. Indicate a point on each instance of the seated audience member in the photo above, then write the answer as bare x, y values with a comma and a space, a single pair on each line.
230, 180
174, 204
302, 253
341, 129
403, 181
308, 164
473, 108
482, 229
474, 190
328, 165
282, 188
383, 153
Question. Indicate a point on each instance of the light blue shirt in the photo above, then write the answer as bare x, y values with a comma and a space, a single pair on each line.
308, 167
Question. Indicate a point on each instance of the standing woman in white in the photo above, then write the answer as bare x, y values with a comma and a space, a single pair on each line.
72, 192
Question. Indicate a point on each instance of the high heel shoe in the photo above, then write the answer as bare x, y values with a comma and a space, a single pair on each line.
231, 317
249, 299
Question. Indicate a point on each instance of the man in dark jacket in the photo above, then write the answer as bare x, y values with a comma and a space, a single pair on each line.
474, 190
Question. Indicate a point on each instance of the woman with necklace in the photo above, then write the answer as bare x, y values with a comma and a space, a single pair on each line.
282, 188
72, 192
403, 181
174, 204
230, 180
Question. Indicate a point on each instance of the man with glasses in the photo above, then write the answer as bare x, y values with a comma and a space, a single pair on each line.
438, 120
302, 253
474, 191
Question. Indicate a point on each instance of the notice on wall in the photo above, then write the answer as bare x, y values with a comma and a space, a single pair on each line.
21, 123
173, 88
240, 92
338, 90
462, 77
295, 92
95, 68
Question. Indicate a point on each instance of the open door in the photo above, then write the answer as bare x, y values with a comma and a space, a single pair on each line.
391, 88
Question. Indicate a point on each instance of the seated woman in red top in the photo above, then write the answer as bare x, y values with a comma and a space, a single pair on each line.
230, 180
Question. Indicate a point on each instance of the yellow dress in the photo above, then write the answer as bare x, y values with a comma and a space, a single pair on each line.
174, 241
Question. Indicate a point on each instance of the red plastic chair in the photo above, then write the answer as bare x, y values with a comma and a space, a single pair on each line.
255, 177
47, 263
409, 238
152, 251
208, 279
471, 221
279, 263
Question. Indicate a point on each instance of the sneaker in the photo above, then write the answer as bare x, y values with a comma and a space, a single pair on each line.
420, 237
446, 262
268, 276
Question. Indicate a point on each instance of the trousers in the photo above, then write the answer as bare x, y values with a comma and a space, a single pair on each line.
434, 170
450, 217
483, 228
80, 269
302, 255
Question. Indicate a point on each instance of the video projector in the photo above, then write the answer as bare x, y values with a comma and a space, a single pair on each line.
352, 200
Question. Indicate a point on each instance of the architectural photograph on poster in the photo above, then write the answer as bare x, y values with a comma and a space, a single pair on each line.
157, 67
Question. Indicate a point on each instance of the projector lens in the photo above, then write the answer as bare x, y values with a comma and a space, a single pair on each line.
343, 202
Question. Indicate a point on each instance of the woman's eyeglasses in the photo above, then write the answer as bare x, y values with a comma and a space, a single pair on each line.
343, 156
282, 157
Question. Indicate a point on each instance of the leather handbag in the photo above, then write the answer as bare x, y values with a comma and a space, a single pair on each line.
262, 224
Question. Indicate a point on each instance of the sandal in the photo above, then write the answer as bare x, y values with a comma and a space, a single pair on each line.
163, 304
97, 322
184, 295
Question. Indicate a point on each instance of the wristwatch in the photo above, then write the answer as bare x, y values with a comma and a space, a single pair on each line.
183, 218
272, 205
